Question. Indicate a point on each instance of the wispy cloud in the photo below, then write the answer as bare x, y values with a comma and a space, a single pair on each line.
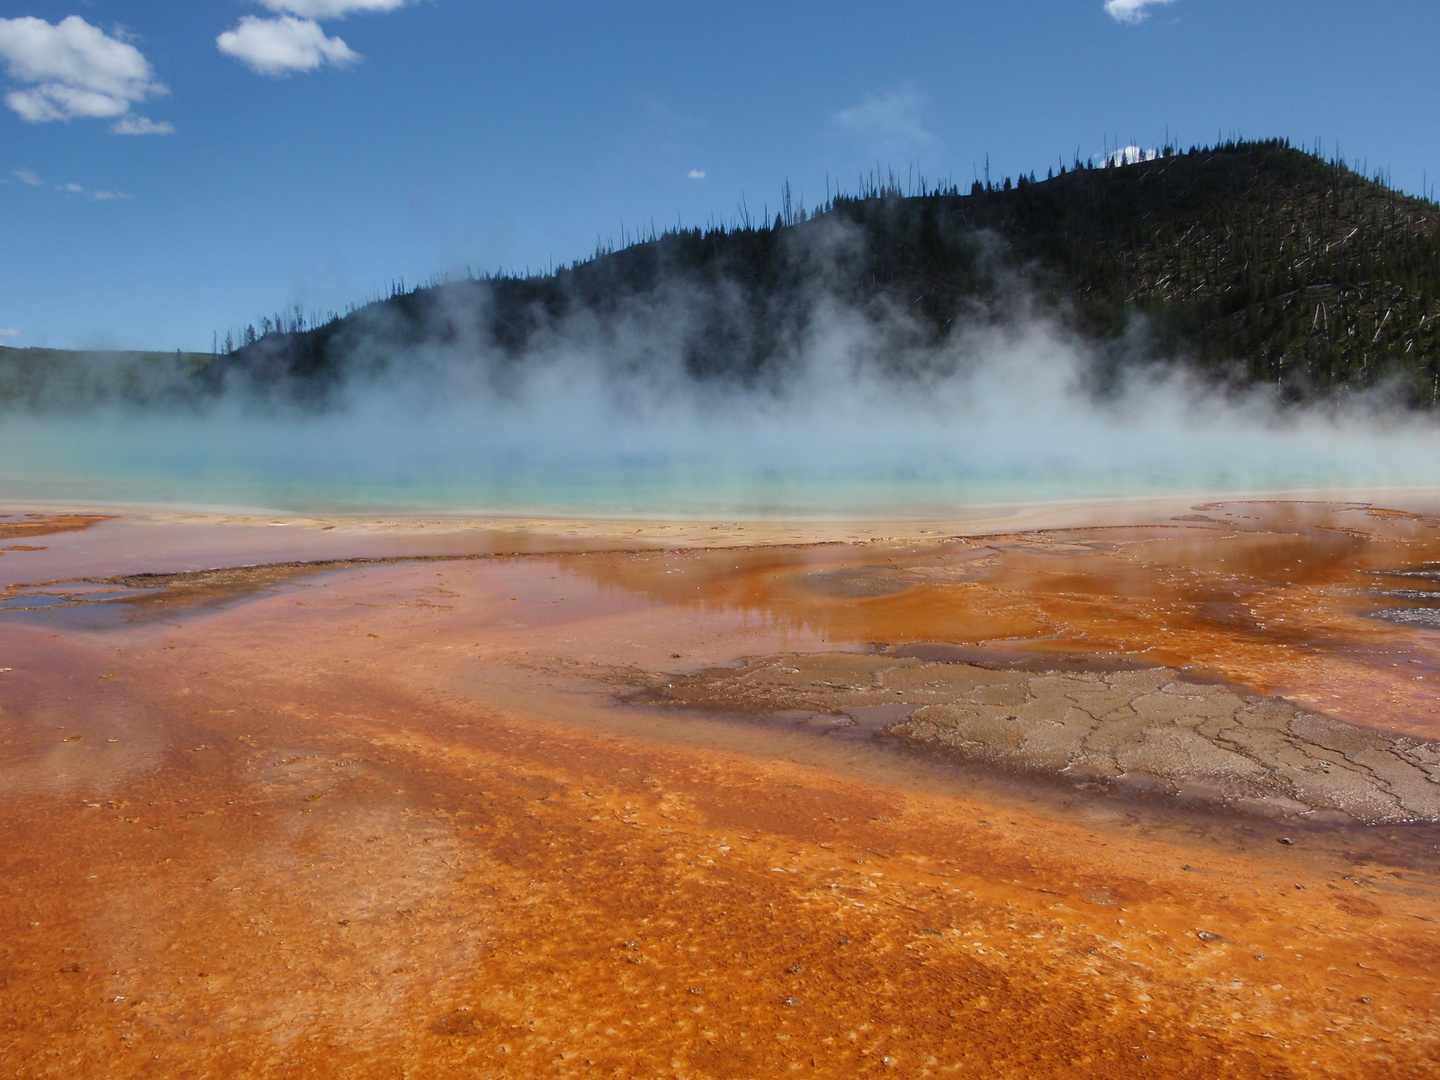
9, 331
73, 188
282, 45
1131, 11
889, 120
25, 176
132, 124
329, 9
695, 174
73, 69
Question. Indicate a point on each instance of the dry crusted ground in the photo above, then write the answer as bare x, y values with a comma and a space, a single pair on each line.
1151, 730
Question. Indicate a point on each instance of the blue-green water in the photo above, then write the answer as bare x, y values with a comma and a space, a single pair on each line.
815, 465
610, 421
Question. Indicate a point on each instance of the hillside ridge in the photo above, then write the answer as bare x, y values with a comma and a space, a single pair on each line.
1255, 264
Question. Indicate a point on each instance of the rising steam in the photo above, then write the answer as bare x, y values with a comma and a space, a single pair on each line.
692, 394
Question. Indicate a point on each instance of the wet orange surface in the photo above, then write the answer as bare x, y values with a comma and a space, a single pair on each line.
1275, 597
395, 819
13, 526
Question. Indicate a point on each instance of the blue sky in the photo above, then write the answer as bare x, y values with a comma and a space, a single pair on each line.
433, 135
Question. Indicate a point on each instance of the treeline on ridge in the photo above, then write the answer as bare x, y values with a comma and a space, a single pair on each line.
1254, 263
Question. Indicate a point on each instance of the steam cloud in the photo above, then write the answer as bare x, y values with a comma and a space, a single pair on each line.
688, 398
890, 121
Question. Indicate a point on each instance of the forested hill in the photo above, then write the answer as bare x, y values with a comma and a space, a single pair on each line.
50, 380
1255, 262
1256, 256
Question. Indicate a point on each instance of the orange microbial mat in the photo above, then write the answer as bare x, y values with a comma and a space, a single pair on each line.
627, 799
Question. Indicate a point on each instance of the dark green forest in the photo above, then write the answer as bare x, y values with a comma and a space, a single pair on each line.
1253, 263
50, 380
1252, 260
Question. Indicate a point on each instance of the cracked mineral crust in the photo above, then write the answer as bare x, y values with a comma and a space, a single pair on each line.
1153, 729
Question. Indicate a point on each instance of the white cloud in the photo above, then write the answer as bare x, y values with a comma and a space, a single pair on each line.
75, 70
695, 174
890, 119
1131, 11
282, 45
329, 9
25, 176
1126, 155
293, 40
9, 331
131, 124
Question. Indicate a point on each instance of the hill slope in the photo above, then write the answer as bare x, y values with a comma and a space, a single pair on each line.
1301, 271
1254, 263
49, 379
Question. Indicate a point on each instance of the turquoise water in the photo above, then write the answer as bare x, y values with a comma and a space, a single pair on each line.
807, 466
618, 426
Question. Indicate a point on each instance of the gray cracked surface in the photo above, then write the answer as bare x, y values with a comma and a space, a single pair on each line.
1149, 730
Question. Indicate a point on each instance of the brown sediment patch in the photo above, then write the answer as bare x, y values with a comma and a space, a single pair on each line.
158, 593
22, 526
203, 588
161, 591
1152, 731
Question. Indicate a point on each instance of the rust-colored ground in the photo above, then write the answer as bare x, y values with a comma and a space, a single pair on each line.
14, 526
392, 820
